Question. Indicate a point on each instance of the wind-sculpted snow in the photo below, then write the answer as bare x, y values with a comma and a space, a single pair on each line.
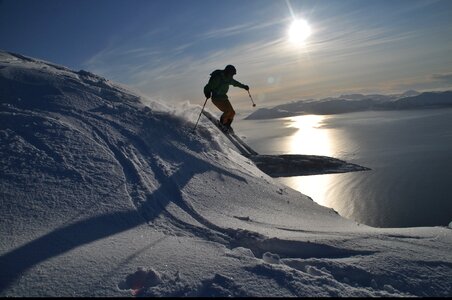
102, 195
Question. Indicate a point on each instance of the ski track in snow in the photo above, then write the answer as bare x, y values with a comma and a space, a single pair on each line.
151, 166
129, 158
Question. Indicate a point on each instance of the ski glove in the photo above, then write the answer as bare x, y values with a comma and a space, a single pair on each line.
246, 87
207, 91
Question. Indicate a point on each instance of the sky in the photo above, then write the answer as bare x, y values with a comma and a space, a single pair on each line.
167, 49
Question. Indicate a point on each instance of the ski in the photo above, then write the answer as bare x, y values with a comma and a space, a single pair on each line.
244, 149
245, 145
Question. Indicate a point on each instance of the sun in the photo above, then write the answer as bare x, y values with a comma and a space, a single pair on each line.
299, 31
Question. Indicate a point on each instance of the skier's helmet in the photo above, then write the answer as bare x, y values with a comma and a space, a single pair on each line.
230, 69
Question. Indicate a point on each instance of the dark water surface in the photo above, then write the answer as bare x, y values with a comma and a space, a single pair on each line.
409, 152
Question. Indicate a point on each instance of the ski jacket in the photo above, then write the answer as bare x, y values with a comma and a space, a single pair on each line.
219, 84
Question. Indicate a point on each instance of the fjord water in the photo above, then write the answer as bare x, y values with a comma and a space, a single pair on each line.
409, 152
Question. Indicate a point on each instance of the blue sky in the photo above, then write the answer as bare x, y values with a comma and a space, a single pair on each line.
167, 49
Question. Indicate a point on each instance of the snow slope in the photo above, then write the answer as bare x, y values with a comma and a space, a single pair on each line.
107, 193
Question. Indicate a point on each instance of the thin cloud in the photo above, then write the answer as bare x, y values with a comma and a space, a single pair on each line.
445, 77
238, 29
339, 55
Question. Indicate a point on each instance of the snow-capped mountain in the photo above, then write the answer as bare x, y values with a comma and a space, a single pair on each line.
356, 102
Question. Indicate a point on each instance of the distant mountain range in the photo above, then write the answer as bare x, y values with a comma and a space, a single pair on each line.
356, 102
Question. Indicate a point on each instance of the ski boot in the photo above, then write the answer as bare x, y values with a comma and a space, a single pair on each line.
225, 127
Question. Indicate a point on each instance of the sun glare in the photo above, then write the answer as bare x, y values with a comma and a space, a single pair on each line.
299, 31
309, 139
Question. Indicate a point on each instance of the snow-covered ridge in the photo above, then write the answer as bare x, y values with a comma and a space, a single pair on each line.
102, 195
356, 102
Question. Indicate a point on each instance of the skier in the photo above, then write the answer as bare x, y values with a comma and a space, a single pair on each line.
217, 87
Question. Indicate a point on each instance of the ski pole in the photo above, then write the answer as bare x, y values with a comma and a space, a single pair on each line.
251, 99
200, 115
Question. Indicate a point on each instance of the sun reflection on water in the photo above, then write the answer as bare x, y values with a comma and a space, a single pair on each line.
314, 186
311, 139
